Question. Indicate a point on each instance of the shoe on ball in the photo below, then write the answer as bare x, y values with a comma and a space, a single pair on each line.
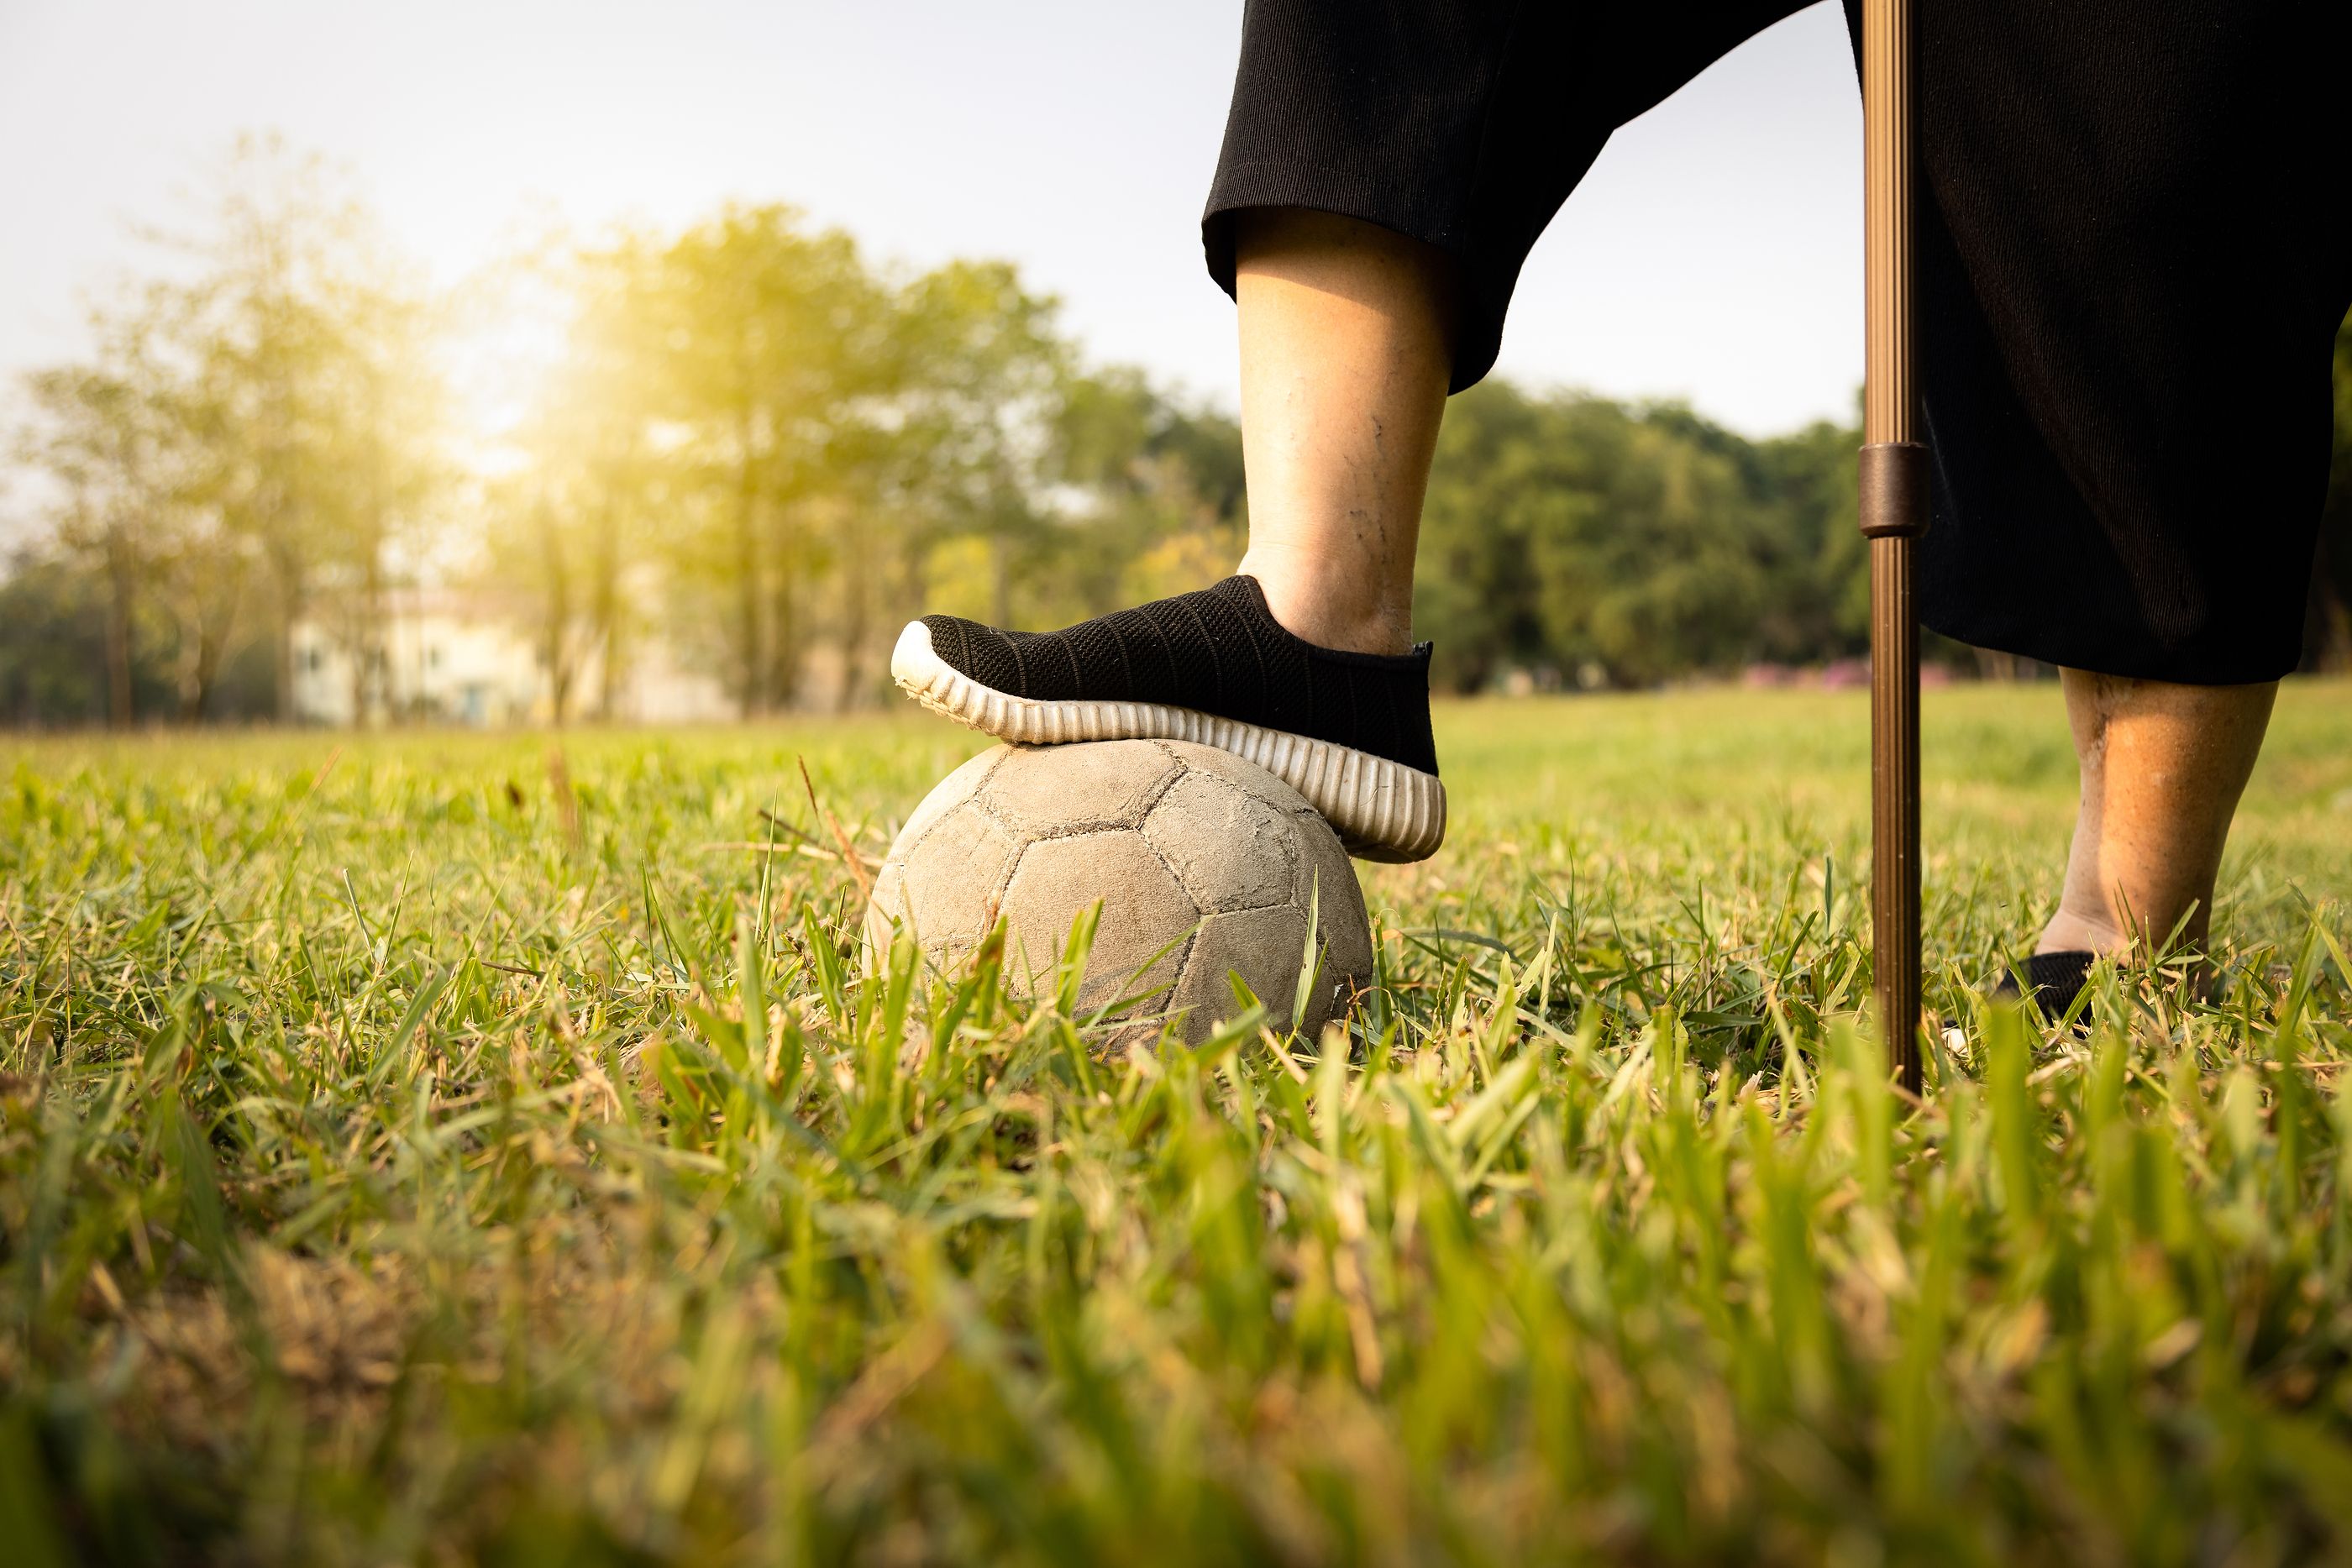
1348, 731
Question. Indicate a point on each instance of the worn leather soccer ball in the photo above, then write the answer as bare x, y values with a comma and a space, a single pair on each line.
1191, 849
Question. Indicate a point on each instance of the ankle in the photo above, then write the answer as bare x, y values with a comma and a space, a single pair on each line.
2069, 932
1327, 615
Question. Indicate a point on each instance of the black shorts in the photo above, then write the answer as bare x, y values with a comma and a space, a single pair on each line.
2134, 251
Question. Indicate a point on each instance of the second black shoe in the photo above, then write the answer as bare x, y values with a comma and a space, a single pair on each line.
2057, 979
1348, 731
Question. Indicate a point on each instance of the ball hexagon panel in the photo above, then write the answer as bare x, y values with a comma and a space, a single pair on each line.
1044, 791
949, 886
1323, 872
1244, 940
1230, 848
949, 793
1145, 909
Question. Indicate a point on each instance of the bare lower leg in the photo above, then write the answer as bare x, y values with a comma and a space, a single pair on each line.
2163, 767
1346, 351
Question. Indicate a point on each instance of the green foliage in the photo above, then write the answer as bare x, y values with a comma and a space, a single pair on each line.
1626, 545
767, 449
53, 653
443, 1150
255, 436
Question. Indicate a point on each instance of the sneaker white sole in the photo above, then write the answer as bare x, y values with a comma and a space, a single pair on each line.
1383, 811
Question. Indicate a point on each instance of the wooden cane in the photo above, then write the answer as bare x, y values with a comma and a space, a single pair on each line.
1894, 503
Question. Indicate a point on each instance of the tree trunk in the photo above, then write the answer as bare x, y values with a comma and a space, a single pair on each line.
376, 662
783, 614
371, 700
204, 629
122, 587
746, 580
604, 609
556, 623
856, 605
188, 682
355, 642
283, 659
287, 574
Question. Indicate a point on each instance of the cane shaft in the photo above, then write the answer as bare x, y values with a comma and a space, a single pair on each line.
1894, 514
1895, 801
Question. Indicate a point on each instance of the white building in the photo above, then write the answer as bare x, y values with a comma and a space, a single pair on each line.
476, 658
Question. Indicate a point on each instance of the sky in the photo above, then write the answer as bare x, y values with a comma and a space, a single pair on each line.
1713, 255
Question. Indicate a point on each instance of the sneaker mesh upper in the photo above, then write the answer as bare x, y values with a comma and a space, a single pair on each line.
1218, 650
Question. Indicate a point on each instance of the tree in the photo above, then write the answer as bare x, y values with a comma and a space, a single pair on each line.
276, 405
958, 443
815, 431
108, 437
567, 529
758, 346
318, 393
380, 470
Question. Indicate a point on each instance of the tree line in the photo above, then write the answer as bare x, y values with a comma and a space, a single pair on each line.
763, 447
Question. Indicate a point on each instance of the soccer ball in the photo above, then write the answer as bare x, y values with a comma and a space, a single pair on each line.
1204, 863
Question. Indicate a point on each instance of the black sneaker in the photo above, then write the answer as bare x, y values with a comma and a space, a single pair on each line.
2057, 979
1348, 731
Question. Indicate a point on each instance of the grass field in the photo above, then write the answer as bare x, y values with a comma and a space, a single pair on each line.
432, 1148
